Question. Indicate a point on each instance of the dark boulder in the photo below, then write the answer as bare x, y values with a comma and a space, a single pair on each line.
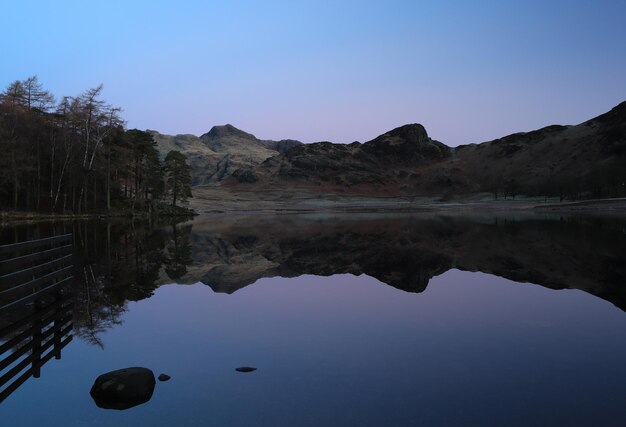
245, 369
123, 389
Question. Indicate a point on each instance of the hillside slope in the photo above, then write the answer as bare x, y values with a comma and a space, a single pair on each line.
556, 160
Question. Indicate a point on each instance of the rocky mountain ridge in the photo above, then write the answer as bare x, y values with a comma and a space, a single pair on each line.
574, 161
216, 154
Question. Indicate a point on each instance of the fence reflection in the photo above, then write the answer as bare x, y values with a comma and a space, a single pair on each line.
35, 307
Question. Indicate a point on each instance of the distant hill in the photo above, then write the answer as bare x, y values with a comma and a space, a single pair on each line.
574, 161
223, 150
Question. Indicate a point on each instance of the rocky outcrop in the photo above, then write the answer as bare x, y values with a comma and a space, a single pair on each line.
407, 144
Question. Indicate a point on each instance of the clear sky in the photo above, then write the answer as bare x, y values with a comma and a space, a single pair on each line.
327, 70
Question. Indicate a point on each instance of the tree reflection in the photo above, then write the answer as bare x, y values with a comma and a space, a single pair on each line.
114, 263
178, 252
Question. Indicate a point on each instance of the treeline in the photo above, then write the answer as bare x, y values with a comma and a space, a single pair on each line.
600, 182
75, 157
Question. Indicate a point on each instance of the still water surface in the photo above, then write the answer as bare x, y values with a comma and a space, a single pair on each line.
358, 321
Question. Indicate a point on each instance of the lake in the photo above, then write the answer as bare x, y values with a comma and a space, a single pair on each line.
350, 320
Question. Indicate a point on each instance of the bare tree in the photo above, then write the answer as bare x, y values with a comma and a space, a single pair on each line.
35, 96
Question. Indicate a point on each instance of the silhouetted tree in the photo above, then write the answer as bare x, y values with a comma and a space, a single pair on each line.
147, 173
35, 96
178, 177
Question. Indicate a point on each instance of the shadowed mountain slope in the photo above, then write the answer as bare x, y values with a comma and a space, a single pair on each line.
584, 160
392, 160
556, 160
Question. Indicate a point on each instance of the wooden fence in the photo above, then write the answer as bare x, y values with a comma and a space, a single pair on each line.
35, 307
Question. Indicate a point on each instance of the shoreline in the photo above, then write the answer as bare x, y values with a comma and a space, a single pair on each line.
347, 205
20, 217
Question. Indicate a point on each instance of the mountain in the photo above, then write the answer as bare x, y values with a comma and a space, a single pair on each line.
221, 151
574, 161
390, 160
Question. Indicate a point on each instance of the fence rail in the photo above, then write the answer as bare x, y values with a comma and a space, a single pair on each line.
35, 244
35, 307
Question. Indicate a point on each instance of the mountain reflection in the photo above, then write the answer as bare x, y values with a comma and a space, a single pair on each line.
406, 252
119, 262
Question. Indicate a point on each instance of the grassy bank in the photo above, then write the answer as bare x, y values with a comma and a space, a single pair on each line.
214, 199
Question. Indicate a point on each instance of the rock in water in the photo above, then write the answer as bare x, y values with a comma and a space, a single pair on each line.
245, 369
123, 389
164, 377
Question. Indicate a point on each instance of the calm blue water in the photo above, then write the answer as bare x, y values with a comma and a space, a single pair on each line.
344, 350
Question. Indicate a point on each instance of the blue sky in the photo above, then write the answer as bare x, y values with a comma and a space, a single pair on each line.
327, 70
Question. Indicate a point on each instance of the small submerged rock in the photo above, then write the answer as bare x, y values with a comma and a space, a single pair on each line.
164, 377
245, 369
123, 389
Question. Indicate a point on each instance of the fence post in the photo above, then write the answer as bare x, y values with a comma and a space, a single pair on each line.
37, 343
